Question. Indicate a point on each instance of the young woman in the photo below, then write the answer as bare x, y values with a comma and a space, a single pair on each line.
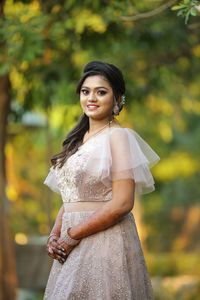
94, 242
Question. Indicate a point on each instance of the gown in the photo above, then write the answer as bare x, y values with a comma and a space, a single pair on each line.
108, 265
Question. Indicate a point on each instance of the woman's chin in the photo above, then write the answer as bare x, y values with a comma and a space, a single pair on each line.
96, 114
92, 113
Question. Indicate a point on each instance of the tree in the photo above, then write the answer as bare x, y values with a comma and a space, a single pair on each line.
7, 261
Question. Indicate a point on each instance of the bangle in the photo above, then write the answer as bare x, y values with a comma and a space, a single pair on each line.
70, 241
52, 234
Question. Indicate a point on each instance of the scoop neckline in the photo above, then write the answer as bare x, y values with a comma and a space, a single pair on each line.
100, 134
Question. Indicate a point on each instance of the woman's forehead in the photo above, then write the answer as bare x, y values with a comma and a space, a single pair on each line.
96, 81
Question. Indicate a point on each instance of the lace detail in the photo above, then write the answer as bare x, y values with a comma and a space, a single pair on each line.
75, 185
108, 265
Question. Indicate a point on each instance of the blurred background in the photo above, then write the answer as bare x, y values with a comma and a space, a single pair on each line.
43, 48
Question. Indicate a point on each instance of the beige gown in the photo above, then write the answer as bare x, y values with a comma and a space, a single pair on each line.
108, 265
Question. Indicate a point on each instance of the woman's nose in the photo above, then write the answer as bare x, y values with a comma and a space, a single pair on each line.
92, 97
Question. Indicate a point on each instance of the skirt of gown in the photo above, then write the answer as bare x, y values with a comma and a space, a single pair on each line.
108, 265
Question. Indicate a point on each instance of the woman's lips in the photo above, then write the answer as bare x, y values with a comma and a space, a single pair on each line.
92, 107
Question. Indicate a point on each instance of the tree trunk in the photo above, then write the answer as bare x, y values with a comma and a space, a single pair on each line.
8, 282
8, 278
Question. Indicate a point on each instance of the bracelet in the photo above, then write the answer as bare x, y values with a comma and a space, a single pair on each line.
70, 241
52, 234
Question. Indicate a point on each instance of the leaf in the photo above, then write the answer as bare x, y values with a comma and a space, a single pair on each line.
193, 11
183, 6
175, 7
187, 17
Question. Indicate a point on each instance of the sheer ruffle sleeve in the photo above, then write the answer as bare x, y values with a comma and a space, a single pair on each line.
51, 181
122, 155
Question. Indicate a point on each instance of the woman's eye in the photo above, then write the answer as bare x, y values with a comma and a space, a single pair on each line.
101, 93
85, 92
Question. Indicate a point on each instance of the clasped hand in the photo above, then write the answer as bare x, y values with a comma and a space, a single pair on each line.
58, 249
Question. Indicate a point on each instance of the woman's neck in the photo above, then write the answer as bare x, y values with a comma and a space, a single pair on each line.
95, 125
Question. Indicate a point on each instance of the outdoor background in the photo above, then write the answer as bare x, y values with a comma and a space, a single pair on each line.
44, 46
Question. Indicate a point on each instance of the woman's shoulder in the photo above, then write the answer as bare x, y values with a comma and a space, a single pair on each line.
112, 132
127, 139
117, 136
120, 131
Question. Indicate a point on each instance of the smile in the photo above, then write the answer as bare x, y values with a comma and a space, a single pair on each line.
92, 106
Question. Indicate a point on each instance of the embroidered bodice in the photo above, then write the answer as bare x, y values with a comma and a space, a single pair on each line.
73, 183
116, 153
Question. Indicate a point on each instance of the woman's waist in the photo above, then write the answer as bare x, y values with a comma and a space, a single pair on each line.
83, 205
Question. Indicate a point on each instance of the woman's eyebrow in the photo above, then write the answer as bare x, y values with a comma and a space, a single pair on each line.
98, 87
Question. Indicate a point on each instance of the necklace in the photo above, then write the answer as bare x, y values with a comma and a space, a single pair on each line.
98, 131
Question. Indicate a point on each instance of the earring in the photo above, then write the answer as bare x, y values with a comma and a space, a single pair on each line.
119, 106
116, 110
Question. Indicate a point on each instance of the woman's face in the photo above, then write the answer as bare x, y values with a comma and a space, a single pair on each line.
96, 97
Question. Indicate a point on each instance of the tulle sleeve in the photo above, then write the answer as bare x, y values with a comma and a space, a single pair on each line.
124, 154
51, 181
132, 158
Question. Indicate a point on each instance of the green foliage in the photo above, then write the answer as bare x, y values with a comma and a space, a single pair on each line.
173, 264
187, 8
21, 42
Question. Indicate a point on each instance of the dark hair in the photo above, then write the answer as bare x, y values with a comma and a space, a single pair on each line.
75, 137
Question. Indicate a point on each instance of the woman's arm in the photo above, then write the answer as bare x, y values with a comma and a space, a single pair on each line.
122, 202
53, 248
58, 222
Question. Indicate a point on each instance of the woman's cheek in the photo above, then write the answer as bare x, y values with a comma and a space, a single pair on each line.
83, 102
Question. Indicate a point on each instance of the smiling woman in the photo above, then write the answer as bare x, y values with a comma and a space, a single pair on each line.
94, 242
96, 96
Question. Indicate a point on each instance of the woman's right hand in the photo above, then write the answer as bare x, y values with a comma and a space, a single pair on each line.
55, 251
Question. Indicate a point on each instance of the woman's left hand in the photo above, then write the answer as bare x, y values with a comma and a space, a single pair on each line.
64, 246
54, 250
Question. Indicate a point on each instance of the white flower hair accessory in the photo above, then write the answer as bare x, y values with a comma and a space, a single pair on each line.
123, 99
